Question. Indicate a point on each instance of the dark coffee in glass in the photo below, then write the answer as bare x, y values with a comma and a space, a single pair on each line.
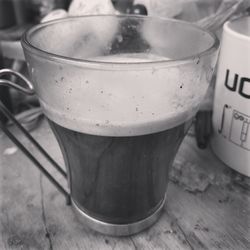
118, 179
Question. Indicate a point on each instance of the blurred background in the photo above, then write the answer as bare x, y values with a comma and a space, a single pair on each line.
18, 15
15, 17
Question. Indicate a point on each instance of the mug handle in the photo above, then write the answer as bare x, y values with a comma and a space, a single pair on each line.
29, 90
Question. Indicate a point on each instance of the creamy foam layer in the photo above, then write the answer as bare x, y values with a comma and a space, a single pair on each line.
130, 58
124, 102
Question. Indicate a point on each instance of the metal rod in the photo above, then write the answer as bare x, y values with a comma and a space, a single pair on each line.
27, 134
34, 160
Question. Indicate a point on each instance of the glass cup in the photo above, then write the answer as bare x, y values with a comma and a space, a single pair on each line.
119, 93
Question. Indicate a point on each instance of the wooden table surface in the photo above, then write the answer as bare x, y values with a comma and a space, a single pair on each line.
34, 215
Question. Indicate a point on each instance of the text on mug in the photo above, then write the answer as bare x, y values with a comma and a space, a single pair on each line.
241, 81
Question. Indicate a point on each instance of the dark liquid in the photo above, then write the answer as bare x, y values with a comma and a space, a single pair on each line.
118, 179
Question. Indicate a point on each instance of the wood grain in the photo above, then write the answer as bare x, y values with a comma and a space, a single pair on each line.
34, 215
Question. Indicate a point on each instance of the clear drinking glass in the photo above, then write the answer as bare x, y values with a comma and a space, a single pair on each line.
119, 93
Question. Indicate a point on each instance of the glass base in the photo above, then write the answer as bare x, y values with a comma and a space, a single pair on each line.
118, 229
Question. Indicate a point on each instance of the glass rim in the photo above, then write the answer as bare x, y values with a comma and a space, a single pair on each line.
233, 32
26, 43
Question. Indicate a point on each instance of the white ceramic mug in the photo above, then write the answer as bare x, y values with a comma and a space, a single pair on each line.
231, 112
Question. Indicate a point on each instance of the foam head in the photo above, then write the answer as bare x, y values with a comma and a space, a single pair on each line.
119, 75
